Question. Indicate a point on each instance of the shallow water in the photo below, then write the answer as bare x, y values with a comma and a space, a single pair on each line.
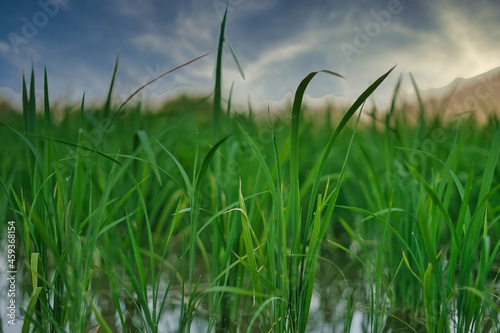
329, 306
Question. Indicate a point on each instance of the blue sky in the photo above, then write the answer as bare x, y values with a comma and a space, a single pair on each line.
277, 43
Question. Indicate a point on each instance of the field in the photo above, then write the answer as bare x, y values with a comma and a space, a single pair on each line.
199, 217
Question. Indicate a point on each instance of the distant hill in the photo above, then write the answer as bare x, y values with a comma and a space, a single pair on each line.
479, 95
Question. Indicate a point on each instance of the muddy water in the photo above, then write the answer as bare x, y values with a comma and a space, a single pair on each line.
335, 285
341, 284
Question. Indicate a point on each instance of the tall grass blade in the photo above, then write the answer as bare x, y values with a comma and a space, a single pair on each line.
421, 104
235, 58
320, 166
218, 76
148, 149
156, 79
107, 105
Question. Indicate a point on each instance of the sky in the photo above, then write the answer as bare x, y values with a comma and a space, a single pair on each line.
277, 43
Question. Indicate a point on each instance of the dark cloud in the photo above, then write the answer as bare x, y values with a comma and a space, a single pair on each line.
277, 42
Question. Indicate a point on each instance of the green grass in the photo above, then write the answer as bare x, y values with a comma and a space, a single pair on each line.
233, 219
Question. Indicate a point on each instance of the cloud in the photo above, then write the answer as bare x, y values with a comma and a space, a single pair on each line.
263, 74
276, 70
131, 9
473, 37
276, 42
188, 35
463, 44
281, 53
4, 47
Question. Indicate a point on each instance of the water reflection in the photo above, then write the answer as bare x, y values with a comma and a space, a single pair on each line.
342, 301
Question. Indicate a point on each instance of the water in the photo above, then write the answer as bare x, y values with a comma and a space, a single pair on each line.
329, 312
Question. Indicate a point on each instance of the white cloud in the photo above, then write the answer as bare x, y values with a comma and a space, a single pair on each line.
266, 74
151, 43
463, 45
279, 54
133, 9
187, 36
4, 47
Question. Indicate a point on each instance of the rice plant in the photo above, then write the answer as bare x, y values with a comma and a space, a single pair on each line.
207, 219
